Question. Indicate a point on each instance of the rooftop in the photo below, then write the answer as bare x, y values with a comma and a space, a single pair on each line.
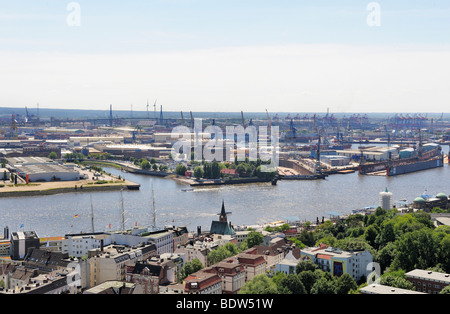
381, 289
430, 275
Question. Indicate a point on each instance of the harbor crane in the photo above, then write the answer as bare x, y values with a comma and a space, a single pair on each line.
243, 119
182, 118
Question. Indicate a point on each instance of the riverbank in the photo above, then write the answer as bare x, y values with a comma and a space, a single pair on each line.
57, 187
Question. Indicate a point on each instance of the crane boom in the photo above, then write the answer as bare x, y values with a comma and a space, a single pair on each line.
268, 118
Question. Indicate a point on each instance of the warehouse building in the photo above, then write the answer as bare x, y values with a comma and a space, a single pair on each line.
41, 169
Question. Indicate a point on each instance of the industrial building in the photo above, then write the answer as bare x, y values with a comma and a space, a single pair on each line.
133, 150
371, 153
41, 169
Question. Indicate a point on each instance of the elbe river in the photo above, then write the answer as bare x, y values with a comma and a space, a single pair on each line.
249, 204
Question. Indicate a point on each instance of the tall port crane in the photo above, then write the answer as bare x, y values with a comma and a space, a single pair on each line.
182, 118
243, 119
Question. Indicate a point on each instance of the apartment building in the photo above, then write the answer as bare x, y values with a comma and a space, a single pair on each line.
203, 283
254, 264
338, 262
110, 263
431, 282
232, 274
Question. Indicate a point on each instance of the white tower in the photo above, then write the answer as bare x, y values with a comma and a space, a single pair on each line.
386, 200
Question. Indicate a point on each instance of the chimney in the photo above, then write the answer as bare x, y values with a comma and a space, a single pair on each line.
199, 230
6, 232
101, 245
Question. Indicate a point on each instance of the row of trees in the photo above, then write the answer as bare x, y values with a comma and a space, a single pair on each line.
212, 170
147, 165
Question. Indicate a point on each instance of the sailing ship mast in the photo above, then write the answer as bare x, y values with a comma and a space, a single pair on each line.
92, 216
154, 209
123, 211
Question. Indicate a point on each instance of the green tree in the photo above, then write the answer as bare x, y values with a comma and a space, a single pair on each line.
260, 284
145, 164
53, 155
163, 168
155, 167
345, 283
446, 290
190, 268
293, 284
306, 265
396, 280
215, 170
415, 249
254, 238
180, 169
308, 278
323, 286
444, 253
370, 235
198, 172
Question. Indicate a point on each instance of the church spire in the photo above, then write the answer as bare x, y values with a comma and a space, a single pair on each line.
223, 214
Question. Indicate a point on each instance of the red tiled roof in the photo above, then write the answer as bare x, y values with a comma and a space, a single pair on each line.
324, 256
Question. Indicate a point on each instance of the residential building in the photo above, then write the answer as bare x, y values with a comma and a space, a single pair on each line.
274, 253
112, 287
338, 262
381, 289
21, 241
6, 270
79, 245
194, 251
147, 276
203, 283
232, 274
54, 244
163, 240
431, 282
46, 261
254, 264
110, 263
289, 264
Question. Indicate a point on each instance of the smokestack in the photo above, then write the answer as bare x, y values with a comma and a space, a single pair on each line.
199, 230
6, 232
101, 245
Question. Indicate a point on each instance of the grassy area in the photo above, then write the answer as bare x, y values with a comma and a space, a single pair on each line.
101, 163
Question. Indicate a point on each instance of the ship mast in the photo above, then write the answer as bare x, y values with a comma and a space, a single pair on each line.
123, 211
154, 209
92, 216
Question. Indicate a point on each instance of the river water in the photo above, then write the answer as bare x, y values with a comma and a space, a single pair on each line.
54, 215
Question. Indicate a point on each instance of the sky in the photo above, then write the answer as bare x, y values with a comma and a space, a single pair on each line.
226, 55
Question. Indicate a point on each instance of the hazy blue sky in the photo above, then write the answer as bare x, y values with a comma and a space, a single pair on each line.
226, 55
